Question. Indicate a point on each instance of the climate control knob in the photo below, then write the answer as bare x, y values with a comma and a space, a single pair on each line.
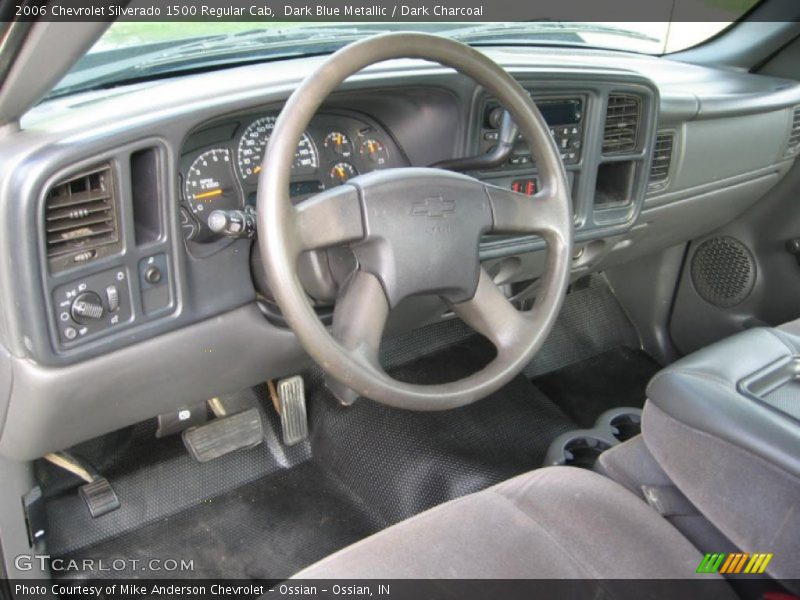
87, 307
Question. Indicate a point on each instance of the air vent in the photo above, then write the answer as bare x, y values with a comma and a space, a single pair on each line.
80, 218
794, 136
622, 124
662, 159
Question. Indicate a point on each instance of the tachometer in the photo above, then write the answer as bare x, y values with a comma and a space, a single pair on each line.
211, 183
253, 143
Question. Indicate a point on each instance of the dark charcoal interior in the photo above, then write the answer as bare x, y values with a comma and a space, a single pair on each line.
269, 511
166, 391
586, 389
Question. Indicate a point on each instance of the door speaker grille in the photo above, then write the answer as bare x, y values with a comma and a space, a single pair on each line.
723, 271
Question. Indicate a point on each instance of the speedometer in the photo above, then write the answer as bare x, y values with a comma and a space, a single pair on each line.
254, 142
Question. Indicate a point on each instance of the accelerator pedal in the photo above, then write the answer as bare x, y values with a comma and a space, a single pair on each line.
225, 435
289, 398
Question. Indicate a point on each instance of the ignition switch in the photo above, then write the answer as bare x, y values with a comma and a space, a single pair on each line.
233, 223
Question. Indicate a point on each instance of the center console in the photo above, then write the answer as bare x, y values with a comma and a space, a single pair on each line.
724, 424
603, 131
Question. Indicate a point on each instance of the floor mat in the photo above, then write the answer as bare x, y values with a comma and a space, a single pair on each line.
156, 478
369, 466
403, 462
266, 529
586, 389
591, 322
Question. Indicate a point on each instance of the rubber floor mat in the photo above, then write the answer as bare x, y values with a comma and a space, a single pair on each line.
267, 529
369, 466
591, 322
586, 389
403, 462
155, 478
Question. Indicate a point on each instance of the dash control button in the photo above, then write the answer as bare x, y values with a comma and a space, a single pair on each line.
152, 275
112, 295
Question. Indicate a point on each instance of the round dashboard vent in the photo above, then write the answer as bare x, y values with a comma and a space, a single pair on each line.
723, 271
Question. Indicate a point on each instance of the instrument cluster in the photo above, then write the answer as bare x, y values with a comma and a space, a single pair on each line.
221, 170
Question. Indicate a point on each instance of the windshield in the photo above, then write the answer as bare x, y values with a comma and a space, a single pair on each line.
135, 51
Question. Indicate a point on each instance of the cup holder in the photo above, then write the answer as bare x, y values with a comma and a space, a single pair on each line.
583, 452
626, 426
581, 448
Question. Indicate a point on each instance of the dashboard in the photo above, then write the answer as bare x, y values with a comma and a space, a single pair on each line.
116, 281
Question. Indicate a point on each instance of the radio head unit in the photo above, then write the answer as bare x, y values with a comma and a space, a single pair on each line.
563, 115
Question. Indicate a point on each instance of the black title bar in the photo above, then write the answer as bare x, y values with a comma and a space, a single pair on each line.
378, 10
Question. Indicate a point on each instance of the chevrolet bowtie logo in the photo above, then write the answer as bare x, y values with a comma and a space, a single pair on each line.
435, 206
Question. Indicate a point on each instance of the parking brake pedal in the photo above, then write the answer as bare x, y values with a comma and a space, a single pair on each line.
290, 401
97, 493
225, 435
100, 497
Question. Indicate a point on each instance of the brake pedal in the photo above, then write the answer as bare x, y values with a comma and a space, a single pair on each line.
290, 402
223, 436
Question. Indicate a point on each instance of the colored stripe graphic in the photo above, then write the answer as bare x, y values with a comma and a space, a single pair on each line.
732, 558
711, 563
734, 563
738, 564
758, 563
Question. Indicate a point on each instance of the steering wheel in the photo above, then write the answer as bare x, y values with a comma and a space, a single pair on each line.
413, 231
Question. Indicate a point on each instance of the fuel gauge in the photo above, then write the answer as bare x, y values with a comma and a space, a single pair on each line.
341, 172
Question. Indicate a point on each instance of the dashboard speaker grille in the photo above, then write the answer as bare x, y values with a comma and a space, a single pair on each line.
662, 159
622, 124
80, 215
723, 271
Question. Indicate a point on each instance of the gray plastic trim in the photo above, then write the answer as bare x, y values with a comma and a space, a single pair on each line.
770, 378
57, 134
54, 408
18, 479
591, 222
603, 432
